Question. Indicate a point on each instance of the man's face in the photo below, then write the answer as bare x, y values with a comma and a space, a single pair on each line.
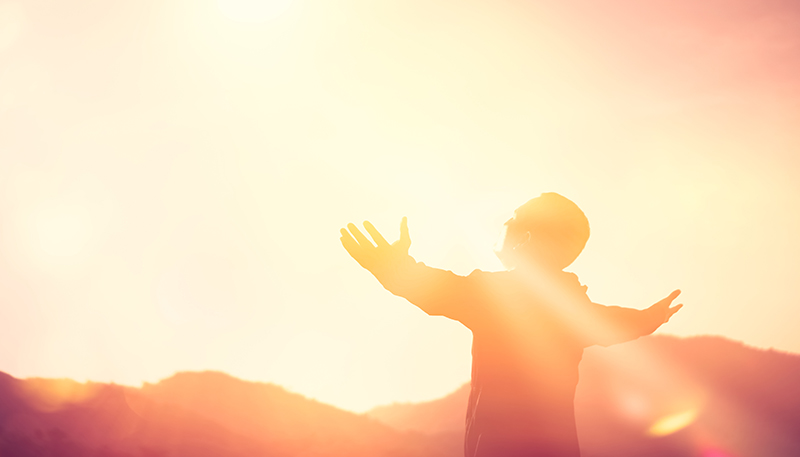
517, 246
510, 241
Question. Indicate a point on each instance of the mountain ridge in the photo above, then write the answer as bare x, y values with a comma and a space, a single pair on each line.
740, 401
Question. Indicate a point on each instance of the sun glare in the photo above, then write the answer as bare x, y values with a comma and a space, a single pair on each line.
253, 10
672, 423
12, 21
50, 395
61, 232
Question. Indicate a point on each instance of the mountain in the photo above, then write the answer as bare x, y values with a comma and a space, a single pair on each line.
444, 415
288, 423
658, 396
190, 414
65, 418
740, 401
663, 396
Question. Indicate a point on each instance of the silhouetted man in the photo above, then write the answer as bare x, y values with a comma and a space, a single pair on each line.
529, 324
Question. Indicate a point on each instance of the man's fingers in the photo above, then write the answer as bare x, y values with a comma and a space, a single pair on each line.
375, 234
667, 301
362, 240
672, 311
405, 239
349, 243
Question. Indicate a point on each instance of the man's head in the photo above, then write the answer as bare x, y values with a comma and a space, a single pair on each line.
549, 230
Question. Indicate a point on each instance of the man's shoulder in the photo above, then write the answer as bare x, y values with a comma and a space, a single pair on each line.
569, 277
561, 276
489, 275
493, 281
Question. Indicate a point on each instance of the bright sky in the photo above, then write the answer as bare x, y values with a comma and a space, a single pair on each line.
174, 173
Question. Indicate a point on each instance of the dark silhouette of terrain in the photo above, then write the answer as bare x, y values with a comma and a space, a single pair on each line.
443, 415
748, 403
190, 414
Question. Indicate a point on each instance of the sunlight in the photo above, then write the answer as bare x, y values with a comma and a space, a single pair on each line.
253, 10
61, 231
316, 364
634, 404
12, 21
50, 395
672, 423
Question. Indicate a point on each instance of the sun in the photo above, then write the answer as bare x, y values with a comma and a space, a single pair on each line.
253, 10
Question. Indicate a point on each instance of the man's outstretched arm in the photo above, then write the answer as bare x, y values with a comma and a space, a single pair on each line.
382, 259
616, 324
437, 292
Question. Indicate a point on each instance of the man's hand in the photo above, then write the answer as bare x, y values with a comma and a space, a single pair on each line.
664, 308
376, 258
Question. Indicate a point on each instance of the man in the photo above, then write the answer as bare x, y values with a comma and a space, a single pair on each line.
530, 324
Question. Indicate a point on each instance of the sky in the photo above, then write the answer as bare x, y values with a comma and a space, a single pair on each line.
174, 175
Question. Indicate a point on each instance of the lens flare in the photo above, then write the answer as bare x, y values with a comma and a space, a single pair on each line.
672, 423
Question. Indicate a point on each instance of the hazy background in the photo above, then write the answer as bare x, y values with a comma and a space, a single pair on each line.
173, 175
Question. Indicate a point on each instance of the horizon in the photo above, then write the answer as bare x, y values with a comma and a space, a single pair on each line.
692, 399
174, 175
144, 384
364, 412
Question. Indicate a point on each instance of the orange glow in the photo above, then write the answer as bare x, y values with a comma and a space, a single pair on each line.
673, 423
228, 139
50, 395
715, 453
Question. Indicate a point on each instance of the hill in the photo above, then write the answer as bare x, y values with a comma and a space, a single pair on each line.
658, 396
663, 396
190, 414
